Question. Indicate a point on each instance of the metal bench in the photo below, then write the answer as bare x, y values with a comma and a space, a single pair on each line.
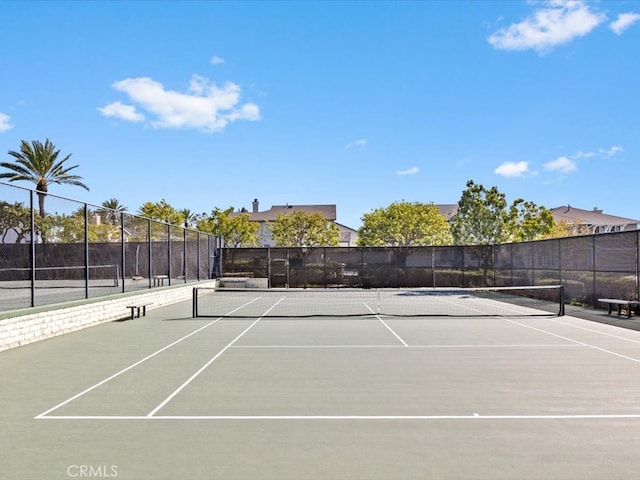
629, 305
137, 309
159, 279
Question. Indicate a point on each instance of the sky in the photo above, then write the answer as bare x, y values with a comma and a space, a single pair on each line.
358, 104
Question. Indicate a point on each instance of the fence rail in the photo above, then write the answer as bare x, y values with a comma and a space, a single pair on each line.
79, 251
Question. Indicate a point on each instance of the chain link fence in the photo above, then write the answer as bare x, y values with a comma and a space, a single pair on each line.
589, 267
78, 251
75, 253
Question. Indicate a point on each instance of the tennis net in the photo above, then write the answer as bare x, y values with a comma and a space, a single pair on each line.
422, 302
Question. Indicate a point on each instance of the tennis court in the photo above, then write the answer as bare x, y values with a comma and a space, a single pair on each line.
524, 395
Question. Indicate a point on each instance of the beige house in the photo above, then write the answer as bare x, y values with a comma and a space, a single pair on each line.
348, 236
593, 221
580, 221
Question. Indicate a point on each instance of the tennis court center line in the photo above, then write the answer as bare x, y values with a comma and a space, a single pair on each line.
132, 366
385, 324
215, 357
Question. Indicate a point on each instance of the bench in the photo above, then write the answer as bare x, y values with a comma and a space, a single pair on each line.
137, 309
629, 305
159, 279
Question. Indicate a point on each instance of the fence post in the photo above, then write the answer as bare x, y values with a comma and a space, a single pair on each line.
150, 252
593, 268
123, 253
169, 252
637, 266
32, 252
86, 251
184, 251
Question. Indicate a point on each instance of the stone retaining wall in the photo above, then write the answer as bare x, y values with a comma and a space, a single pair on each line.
47, 322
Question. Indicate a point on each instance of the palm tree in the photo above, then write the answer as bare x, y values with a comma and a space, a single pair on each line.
187, 217
111, 210
39, 163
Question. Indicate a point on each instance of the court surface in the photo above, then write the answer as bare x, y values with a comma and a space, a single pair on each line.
168, 396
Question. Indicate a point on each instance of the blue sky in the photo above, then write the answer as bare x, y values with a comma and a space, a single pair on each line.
357, 104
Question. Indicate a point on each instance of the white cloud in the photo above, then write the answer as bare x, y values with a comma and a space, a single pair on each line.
357, 143
512, 169
215, 60
204, 106
582, 154
120, 110
557, 23
5, 123
601, 152
612, 151
562, 164
409, 171
624, 21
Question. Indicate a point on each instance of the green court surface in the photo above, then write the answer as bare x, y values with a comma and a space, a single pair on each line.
168, 396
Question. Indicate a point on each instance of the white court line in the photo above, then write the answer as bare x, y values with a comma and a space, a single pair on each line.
124, 370
542, 346
626, 339
474, 416
388, 327
610, 352
206, 365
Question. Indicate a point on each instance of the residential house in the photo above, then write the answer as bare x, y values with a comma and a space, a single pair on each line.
348, 236
592, 221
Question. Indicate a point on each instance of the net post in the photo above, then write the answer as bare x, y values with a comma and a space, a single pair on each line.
561, 312
194, 303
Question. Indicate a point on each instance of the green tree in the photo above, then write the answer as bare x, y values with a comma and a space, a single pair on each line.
187, 218
16, 218
235, 230
529, 221
160, 211
304, 230
38, 163
483, 218
404, 224
110, 211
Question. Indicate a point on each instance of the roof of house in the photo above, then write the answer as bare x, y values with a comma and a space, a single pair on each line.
327, 211
448, 209
589, 217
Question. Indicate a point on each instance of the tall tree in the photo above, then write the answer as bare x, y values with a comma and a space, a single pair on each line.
529, 221
14, 218
39, 163
404, 224
111, 210
304, 230
187, 217
484, 218
161, 211
235, 230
